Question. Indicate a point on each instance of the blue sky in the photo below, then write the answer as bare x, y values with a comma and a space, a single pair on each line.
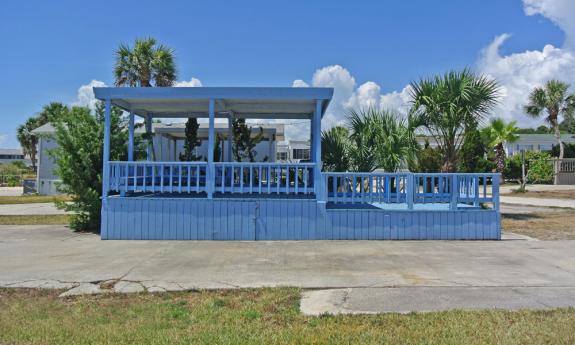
51, 48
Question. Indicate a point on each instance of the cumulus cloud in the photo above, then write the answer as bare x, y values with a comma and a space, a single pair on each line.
86, 94
299, 83
560, 12
517, 73
194, 82
348, 95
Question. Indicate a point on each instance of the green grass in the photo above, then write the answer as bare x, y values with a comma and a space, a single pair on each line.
50, 219
254, 316
32, 199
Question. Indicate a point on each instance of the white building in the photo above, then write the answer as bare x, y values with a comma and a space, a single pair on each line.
13, 155
536, 142
293, 151
168, 144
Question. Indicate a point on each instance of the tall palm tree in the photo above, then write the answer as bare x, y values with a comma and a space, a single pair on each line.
496, 135
146, 64
451, 102
554, 99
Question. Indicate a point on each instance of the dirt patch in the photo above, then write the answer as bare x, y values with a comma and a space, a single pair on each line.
548, 194
541, 225
49, 219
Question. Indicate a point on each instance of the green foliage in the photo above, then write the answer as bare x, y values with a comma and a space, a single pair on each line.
539, 168
191, 141
568, 153
146, 64
495, 136
539, 130
11, 174
553, 99
29, 141
473, 150
218, 149
78, 157
451, 103
377, 139
244, 142
335, 149
429, 160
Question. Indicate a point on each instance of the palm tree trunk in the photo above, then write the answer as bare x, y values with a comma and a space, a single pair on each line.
500, 153
558, 137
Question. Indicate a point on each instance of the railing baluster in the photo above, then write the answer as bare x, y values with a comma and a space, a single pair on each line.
198, 179
260, 179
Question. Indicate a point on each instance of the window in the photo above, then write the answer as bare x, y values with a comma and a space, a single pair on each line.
545, 147
282, 156
300, 153
524, 147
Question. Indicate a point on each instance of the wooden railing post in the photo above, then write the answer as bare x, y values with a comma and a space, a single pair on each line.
410, 191
454, 192
495, 191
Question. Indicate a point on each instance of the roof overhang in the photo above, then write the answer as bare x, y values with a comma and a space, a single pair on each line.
242, 102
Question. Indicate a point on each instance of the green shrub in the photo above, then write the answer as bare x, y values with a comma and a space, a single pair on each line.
538, 166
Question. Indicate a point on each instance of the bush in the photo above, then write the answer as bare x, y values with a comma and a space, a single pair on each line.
80, 138
568, 153
538, 167
11, 174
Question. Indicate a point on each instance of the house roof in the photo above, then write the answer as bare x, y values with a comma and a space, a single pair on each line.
11, 152
242, 102
177, 130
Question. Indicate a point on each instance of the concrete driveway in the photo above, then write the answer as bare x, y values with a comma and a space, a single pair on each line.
56, 257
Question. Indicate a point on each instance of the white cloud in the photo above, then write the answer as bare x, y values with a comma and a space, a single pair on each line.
86, 94
560, 12
517, 73
299, 83
194, 82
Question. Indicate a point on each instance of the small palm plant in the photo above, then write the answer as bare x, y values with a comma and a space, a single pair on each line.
555, 100
496, 135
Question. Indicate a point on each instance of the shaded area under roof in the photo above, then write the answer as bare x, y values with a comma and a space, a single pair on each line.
242, 102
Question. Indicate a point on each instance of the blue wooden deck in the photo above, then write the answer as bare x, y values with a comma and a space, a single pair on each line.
168, 218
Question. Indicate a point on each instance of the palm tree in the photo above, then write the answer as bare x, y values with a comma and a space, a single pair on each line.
335, 149
449, 103
496, 135
376, 139
554, 99
28, 140
146, 64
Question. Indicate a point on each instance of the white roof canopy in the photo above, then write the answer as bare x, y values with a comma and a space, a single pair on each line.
241, 102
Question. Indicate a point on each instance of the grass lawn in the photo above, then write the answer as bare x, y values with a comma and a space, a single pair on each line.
52, 219
558, 225
32, 199
254, 316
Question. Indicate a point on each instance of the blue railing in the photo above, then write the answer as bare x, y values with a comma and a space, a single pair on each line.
158, 177
413, 188
264, 178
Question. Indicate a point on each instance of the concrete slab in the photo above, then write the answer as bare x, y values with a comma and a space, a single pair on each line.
55, 253
540, 202
83, 289
128, 287
29, 209
11, 191
427, 299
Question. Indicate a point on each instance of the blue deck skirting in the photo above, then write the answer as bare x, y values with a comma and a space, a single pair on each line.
129, 218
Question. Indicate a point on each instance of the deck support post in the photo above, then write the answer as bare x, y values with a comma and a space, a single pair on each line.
410, 191
106, 149
148, 132
210, 178
316, 149
131, 137
495, 191
230, 157
454, 192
